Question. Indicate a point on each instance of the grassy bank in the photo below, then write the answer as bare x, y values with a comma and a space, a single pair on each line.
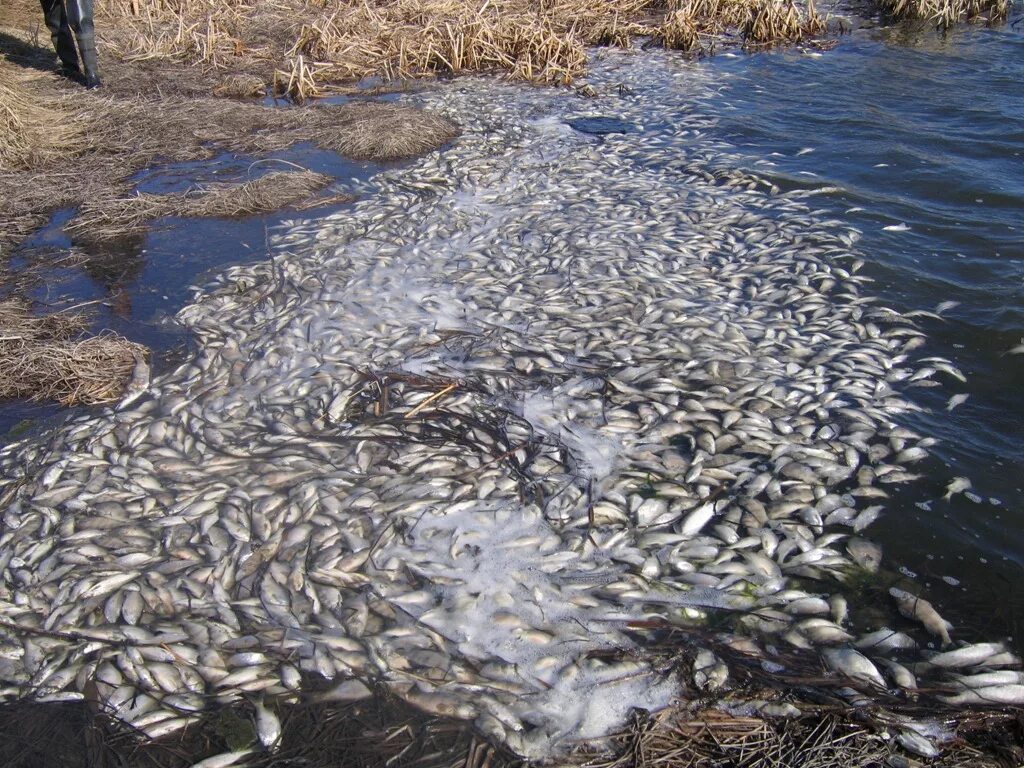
302, 46
64, 148
305, 44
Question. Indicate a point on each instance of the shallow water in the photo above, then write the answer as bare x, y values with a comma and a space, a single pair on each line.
585, 253
134, 285
925, 130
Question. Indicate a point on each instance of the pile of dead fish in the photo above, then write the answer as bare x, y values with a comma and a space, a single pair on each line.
535, 390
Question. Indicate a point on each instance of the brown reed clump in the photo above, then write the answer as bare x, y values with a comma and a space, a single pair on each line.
773, 22
297, 82
47, 358
945, 13
116, 217
416, 38
382, 134
308, 45
679, 31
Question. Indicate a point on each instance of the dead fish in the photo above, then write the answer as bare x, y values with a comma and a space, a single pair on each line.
921, 610
852, 664
223, 760
866, 554
956, 485
992, 696
968, 656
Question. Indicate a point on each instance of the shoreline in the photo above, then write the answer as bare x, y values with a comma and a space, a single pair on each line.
475, 748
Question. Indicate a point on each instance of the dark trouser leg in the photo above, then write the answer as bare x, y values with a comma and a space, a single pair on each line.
80, 19
60, 34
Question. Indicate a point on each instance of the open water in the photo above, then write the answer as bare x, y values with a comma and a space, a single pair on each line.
925, 130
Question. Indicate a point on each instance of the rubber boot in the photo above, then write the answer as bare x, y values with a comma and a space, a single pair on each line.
63, 40
80, 20
68, 55
87, 47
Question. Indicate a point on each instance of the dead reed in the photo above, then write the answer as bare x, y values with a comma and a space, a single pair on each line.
308, 45
116, 217
240, 85
945, 13
382, 732
31, 131
382, 134
679, 31
775, 22
48, 358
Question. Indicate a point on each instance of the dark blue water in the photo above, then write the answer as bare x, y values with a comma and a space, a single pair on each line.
925, 131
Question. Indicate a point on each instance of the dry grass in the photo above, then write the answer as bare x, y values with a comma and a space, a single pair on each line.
115, 217
774, 22
379, 136
115, 135
679, 31
708, 737
684, 739
945, 13
308, 44
30, 133
47, 358
416, 38
240, 85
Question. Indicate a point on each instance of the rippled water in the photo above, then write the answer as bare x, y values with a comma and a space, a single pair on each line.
599, 211
925, 130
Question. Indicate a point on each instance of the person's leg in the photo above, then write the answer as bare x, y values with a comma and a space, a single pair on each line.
60, 34
80, 18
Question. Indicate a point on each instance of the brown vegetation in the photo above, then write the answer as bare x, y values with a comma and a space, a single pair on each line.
945, 13
30, 133
48, 358
114, 217
384, 733
305, 45
773, 21
103, 138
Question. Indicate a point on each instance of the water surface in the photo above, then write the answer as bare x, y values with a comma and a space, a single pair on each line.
922, 134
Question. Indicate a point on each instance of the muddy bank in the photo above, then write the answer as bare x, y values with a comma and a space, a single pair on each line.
80, 154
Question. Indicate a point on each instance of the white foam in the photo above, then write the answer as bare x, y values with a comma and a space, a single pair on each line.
554, 413
506, 596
